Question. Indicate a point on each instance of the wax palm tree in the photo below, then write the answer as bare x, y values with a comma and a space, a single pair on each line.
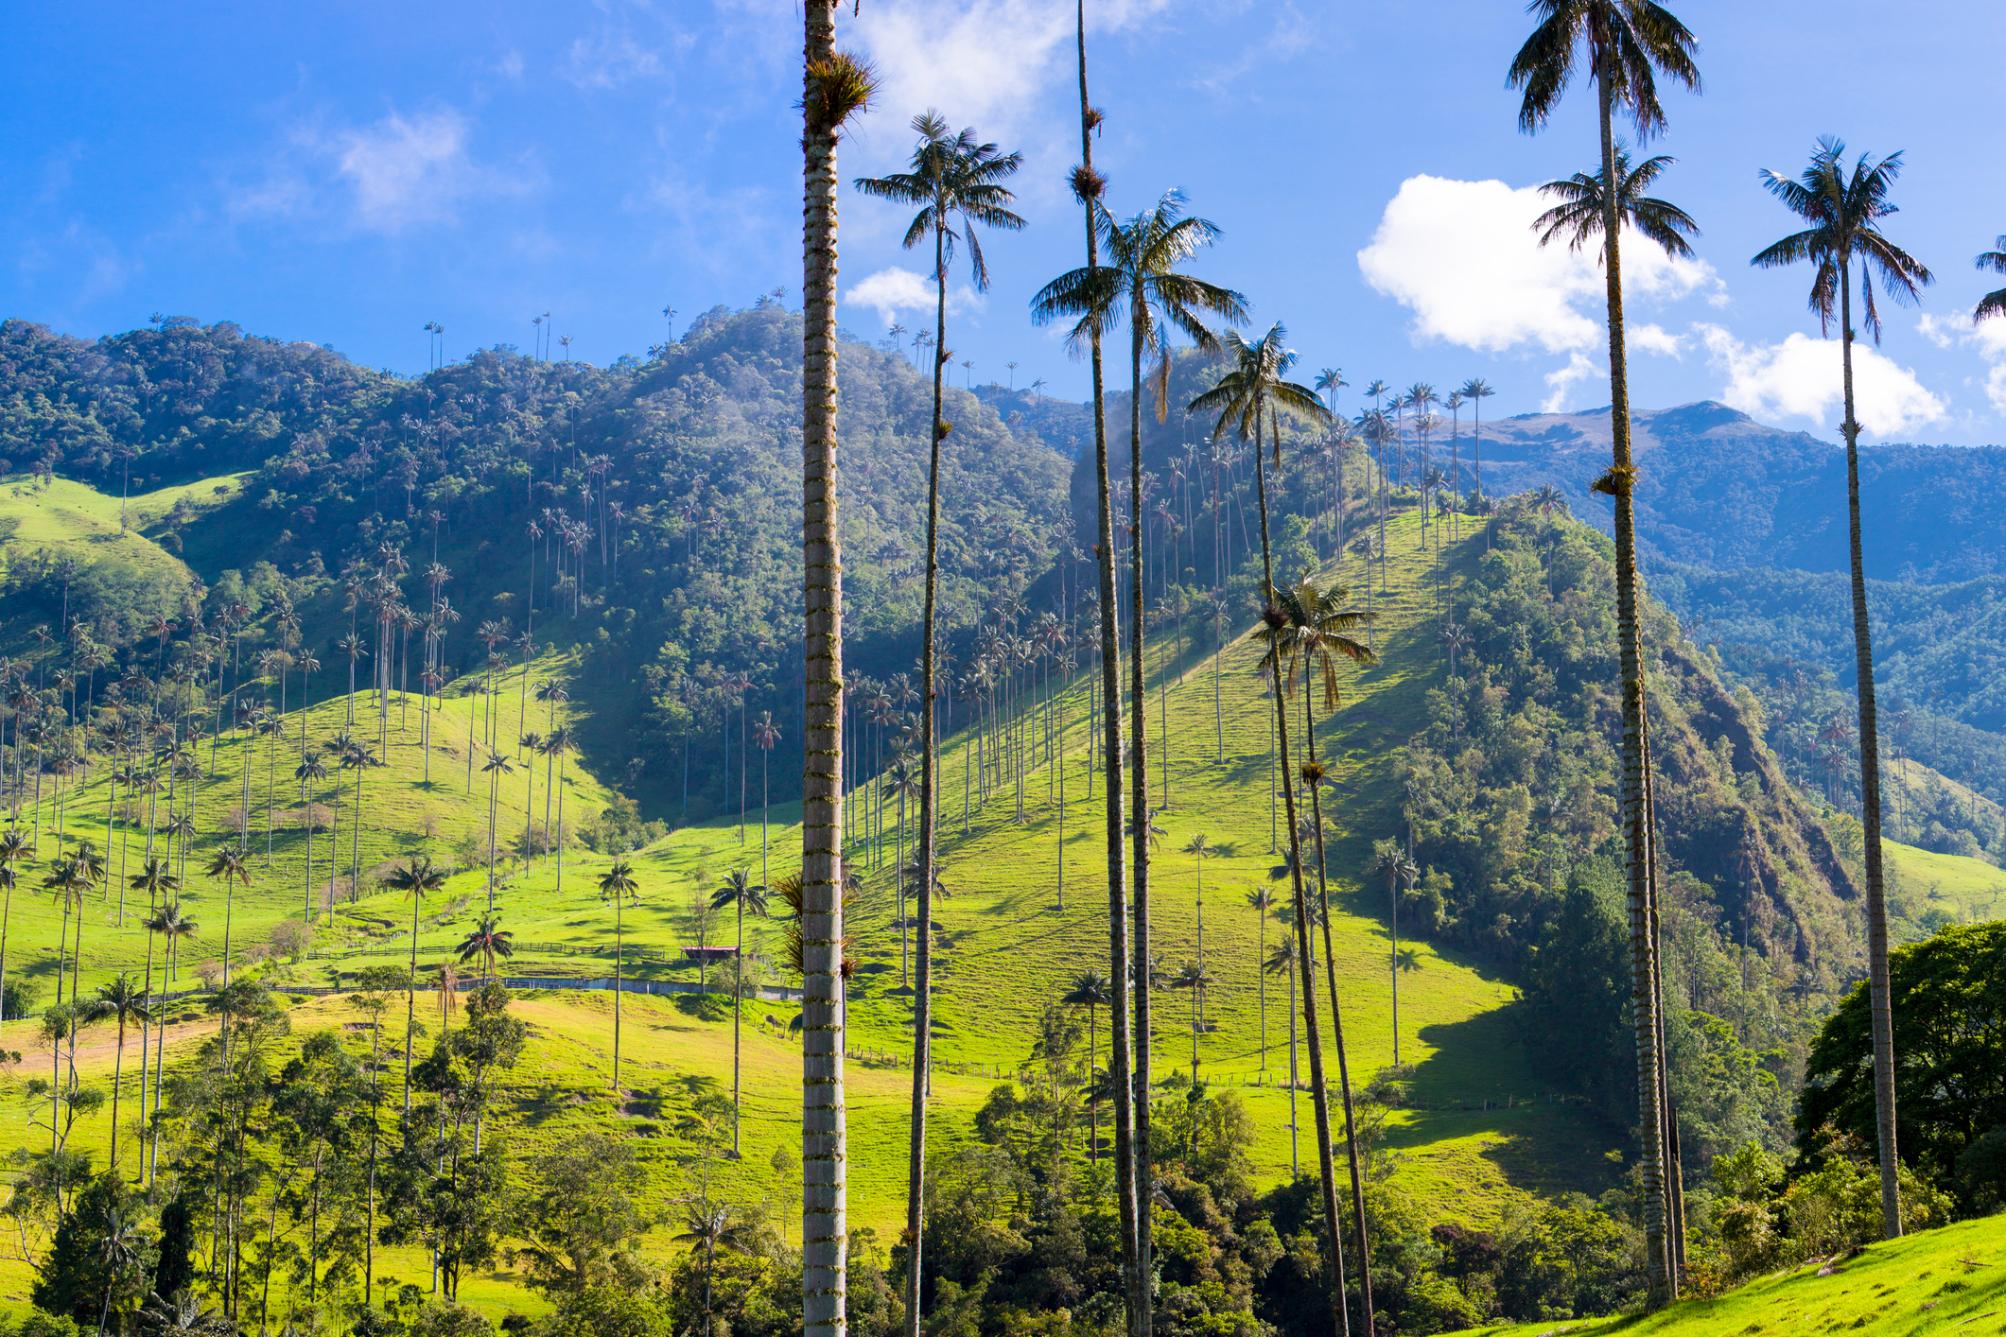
1843, 210
1579, 216
173, 926
617, 884
1141, 282
13, 849
227, 866
709, 1227
1261, 901
1193, 978
1317, 634
1625, 45
311, 772
765, 736
495, 767
1200, 849
744, 896
123, 1002
488, 941
956, 181
1247, 399
1474, 391
1328, 382
1281, 960
415, 879
1992, 261
1391, 864
1090, 991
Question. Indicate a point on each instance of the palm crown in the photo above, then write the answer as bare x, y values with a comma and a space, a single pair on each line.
1993, 261
1844, 209
1258, 381
1579, 215
957, 182
1139, 280
1628, 43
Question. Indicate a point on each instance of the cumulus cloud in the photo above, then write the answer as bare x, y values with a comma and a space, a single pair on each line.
403, 171
1987, 338
1657, 339
1562, 379
987, 63
1801, 378
893, 290
1463, 258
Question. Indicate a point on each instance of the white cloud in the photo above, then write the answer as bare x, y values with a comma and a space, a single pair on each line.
1801, 378
1462, 256
893, 290
985, 63
607, 59
1655, 339
402, 171
1986, 337
1560, 380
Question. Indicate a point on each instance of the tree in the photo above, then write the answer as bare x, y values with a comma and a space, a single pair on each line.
1247, 399
495, 767
227, 866
835, 86
1090, 991
617, 884
1843, 210
310, 772
1140, 281
1261, 901
1200, 849
956, 181
1992, 261
416, 879
13, 849
742, 895
488, 941
97, 1263
123, 1002
1627, 45
1579, 216
1390, 862
765, 735
1192, 977
1282, 961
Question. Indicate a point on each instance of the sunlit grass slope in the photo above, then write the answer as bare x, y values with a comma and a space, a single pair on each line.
1935, 1281
1477, 1127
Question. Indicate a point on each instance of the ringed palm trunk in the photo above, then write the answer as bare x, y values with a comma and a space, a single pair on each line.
1880, 1007
1312, 1035
1139, 820
824, 1140
1661, 1277
922, 1022
411, 1004
1358, 1227
1129, 1201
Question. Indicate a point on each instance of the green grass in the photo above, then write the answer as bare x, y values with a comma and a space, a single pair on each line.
64, 515
1936, 1281
1479, 1131
1931, 889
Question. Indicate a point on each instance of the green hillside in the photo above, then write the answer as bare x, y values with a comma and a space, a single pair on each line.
1952, 1279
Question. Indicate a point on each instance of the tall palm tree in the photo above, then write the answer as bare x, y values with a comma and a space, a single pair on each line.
956, 183
1578, 217
1193, 977
1200, 849
1141, 281
1474, 391
1090, 991
1247, 399
744, 896
416, 879
1391, 863
1260, 900
1317, 634
617, 884
495, 767
1625, 45
488, 941
1282, 961
1992, 261
310, 772
227, 866
172, 925
13, 849
123, 1002
835, 87
765, 736
1842, 210
1089, 187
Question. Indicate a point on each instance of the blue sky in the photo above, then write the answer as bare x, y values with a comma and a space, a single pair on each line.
344, 173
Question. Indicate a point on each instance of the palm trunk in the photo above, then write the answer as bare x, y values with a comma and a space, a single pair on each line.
824, 1140
922, 1022
1881, 1008
1129, 1203
1358, 1225
1319, 1093
1139, 818
411, 1003
1662, 1281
